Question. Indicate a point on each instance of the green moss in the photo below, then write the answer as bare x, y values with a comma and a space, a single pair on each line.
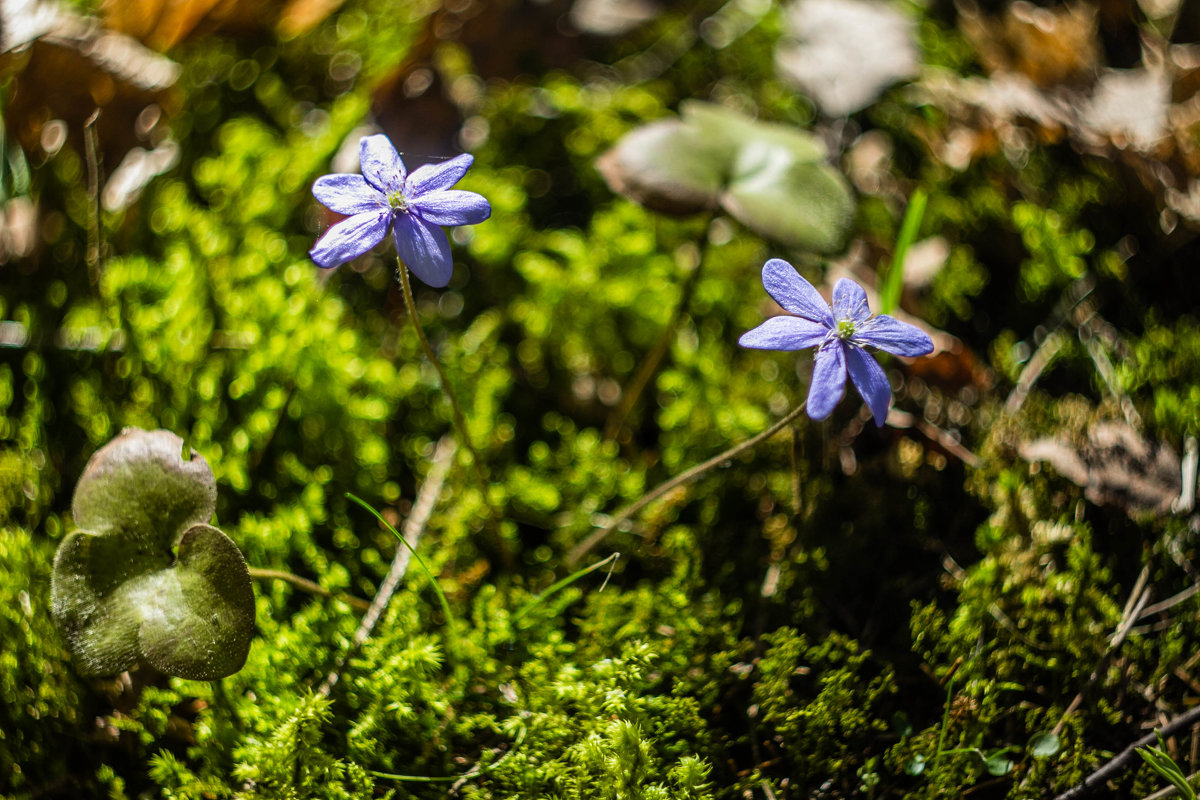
764, 625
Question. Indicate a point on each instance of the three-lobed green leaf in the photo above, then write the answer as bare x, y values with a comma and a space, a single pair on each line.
145, 577
770, 177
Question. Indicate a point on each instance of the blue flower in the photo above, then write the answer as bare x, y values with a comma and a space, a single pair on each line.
413, 206
839, 334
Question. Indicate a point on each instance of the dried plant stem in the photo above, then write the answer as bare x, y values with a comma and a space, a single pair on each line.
413, 527
1033, 370
1134, 609
584, 547
1122, 760
1170, 602
92, 154
1171, 791
1052, 343
304, 584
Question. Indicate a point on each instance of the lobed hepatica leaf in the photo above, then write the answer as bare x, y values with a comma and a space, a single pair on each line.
772, 178
800, 204
735, 130
145, 578
667, 166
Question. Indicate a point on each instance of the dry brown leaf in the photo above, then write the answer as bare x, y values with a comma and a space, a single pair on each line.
1049, 46
162, 24
844, 53
67, 66
1116, 466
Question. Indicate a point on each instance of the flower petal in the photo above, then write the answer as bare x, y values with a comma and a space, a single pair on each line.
424, 249
437, 177
828, 380
347, 194
784, 333
453, 207
793, 292
381, 164
893, 336
350, 238
850, 302
872, 384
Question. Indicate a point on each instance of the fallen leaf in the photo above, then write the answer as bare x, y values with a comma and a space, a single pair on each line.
65, 66
162, 24
1050, 46
1115, 466
844, 53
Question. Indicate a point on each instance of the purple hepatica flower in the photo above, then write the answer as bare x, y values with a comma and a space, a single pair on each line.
839, 334
414, 206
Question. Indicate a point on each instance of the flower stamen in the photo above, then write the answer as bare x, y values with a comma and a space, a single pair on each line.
397, 201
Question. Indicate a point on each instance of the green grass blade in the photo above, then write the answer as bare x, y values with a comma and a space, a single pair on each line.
472, 773
420, 561
560, 585
893, 282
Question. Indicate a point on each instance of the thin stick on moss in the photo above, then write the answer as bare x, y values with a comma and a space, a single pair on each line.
583, 548
305, 585
1120, 762
427, 497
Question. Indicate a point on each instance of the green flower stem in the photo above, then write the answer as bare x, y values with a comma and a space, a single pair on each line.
460, 421
945, 717
92, 155
473, 772
304, 584
584, 547
450, 619
414, 526
892, 283
631, 393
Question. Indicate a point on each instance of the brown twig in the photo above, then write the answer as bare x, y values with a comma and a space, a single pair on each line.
583, 548
943, 439
304, 584
1133, 611
1118, 763
94, 165
413, 527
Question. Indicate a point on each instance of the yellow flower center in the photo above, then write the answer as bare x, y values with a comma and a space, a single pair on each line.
396, 200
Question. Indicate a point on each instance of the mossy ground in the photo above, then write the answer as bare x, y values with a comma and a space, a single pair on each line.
814, 619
